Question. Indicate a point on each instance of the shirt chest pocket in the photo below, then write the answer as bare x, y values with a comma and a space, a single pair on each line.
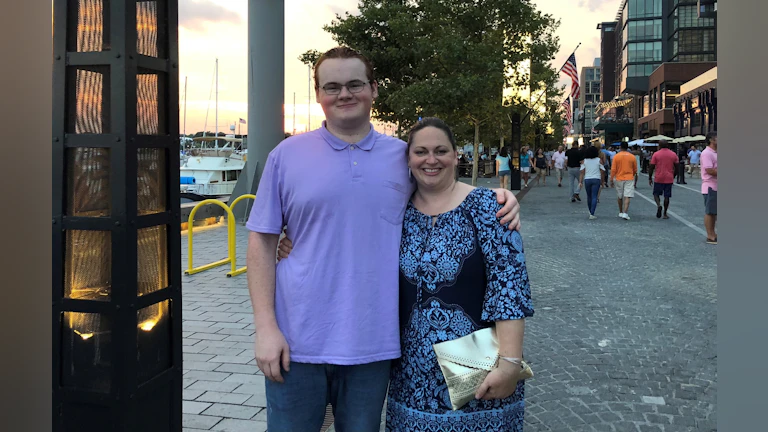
393, 198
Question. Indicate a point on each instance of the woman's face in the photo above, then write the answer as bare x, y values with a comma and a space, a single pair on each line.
431, 158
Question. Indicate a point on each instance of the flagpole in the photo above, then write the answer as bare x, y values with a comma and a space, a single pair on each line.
566, 61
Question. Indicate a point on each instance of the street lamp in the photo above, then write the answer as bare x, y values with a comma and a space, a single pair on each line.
116, 224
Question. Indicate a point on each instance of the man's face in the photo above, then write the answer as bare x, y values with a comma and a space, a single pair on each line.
560, 148
346, 109
713, 142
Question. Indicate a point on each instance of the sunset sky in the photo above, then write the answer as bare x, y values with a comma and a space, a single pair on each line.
219, 28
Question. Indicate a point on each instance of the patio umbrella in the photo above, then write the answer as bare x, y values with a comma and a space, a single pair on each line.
658, 138
697, 138
679, 140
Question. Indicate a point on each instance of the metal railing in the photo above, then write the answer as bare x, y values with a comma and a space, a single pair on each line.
231, 238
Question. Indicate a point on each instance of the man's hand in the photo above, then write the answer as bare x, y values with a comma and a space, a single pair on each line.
650, 181
612, 183
500, 382
284, 248
510, 213
272, 350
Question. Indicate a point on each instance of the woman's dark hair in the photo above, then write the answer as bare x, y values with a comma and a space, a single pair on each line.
591, 152
503, 152
540, 149
432, 122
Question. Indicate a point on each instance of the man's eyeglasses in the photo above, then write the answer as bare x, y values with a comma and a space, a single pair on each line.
355, 86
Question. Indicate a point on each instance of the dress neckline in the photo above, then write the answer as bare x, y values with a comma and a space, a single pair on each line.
437, 216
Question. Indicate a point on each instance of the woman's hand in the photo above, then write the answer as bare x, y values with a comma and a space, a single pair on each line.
500, 382
284, 248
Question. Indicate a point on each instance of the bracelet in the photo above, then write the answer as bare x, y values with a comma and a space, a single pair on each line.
515, 360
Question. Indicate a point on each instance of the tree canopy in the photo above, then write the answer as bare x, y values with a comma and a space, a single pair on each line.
453, 59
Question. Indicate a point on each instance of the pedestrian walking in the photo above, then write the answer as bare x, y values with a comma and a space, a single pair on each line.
573, 160
540, 161
502, 167
318, 340
709, 186
682, 156
548, 155
558, 163
694, 156
525, 165
623, 178
661, 175
591, 177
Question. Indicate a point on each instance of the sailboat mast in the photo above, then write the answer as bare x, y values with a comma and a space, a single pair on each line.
216, 133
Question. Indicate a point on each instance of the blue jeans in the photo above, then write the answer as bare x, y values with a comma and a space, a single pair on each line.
356, 394
592, 186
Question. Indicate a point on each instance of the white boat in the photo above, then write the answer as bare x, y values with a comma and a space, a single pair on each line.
209, 170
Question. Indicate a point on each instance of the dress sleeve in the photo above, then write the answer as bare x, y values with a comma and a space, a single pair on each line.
508, 290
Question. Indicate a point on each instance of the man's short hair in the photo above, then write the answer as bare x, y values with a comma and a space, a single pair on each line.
624, 145
342, 52
663, 144
709, 137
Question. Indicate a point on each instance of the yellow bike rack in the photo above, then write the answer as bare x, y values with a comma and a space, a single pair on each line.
234, 242
230, 239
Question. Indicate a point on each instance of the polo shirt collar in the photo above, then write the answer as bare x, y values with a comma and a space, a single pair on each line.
364, 144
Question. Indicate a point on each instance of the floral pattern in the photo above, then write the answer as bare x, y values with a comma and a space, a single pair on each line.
444, 261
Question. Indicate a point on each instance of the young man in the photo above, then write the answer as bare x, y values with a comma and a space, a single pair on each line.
709, 186
694, 156
558, 163
326, 320
624, 176
664, 164
574, 157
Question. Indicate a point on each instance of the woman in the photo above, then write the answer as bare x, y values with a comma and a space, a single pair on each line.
502, 167
525, 164
590, 173
460, 271
541, 166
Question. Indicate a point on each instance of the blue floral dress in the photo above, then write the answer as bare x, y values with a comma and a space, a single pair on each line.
456, 277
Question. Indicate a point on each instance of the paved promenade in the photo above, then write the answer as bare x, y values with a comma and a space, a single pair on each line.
623, 338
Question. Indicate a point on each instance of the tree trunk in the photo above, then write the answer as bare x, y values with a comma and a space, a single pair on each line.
476, 153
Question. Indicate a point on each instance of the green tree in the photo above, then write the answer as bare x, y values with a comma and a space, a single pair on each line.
449, 58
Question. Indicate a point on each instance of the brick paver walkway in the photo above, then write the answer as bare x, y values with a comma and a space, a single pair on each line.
623, 338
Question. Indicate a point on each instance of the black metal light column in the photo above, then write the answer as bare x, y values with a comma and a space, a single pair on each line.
116, 225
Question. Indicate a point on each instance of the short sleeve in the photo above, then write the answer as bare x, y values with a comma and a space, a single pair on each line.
508, 290
267, 211
706, 161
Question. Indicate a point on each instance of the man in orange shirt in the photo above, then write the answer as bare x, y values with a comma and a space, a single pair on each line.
624, 177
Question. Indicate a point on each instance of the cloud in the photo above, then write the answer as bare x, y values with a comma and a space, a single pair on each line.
194, 15
594, 5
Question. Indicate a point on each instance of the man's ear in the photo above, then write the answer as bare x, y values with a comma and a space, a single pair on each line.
374, 90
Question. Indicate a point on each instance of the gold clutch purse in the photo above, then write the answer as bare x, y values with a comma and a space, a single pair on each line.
466, 361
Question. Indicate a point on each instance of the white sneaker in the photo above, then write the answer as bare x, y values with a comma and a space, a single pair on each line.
625, 216
592, 217
621, 215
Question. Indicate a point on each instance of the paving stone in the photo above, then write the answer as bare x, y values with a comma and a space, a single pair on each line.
213, 386
234, 425
207, 376
191, 394
238, 368
201, 366
199, 421
232, 411
189, 407
244, 379
227, 398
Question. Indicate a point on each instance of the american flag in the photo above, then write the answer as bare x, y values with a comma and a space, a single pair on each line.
568, 113
242, 121
570, 69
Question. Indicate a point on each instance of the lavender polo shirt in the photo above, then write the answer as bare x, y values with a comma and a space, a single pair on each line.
336, 295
